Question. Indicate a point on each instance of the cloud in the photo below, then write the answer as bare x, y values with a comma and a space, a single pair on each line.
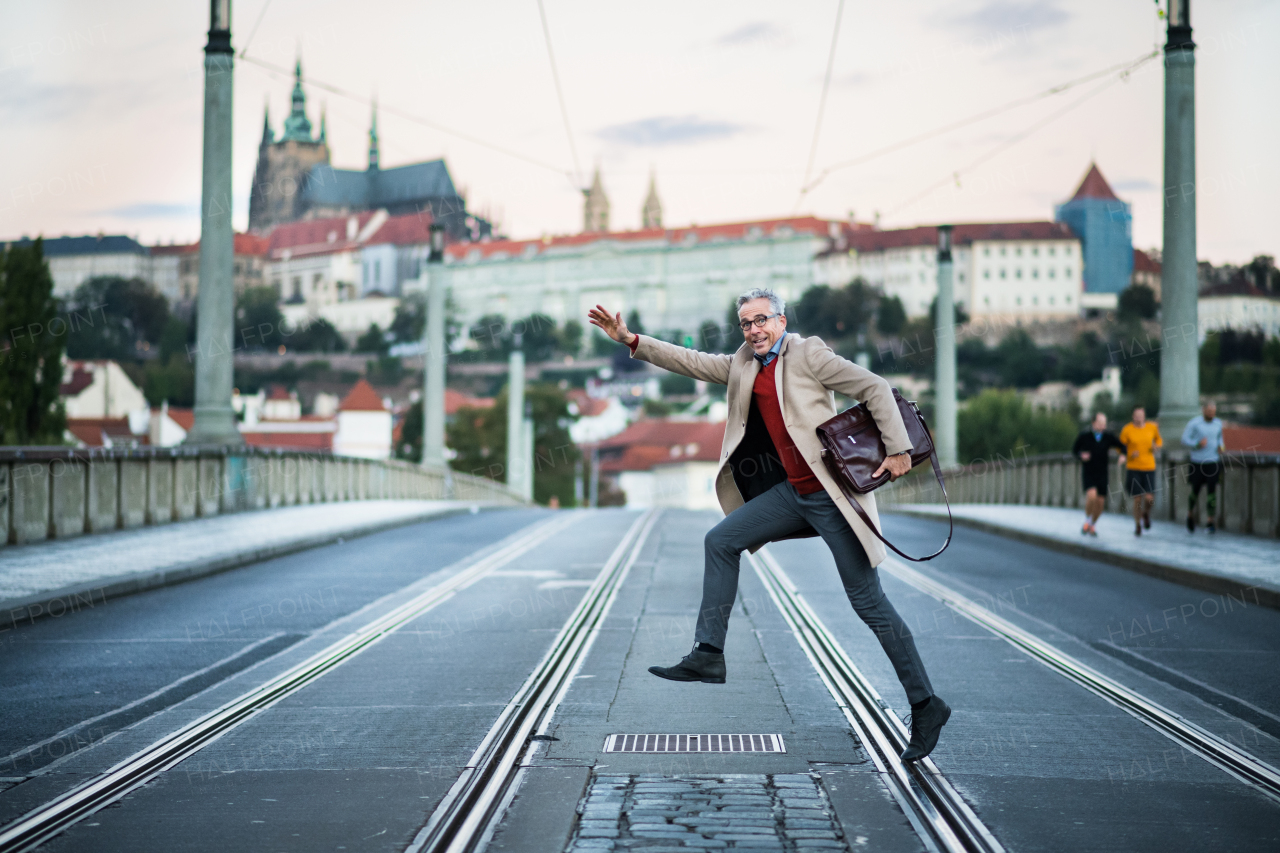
855, 79
25, 101
668, 130
754, 33
151, 210
1006, 15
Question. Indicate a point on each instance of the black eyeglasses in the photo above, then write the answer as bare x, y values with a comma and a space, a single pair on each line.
759, 322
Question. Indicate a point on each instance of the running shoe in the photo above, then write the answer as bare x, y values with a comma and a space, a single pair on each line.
1191, 524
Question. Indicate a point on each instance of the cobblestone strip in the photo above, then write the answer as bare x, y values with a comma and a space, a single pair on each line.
653, 813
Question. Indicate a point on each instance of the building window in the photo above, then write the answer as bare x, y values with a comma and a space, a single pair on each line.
1067, 272
297, 287
1019, 300
986, 252
1017, 273
1066, 299
1002, 273
1050, 300
1035, 300
1035, 250
1035, 272
1053, 272
1002, 251
960, 277
986, 274
986, 300
1051, 251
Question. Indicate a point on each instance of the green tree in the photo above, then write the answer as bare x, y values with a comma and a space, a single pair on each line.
999, 424
373, 341
538, 337
479, 436
31, 411
410, 321
410, 446
1136, 302
491, 337
1022, 363
318, 336
570, 339
890, 316
259, 323
127, 316
633, 322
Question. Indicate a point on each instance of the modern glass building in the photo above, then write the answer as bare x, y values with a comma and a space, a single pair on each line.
1105, 228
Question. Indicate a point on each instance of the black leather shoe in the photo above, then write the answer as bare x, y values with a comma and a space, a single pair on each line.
926, 725
706, 667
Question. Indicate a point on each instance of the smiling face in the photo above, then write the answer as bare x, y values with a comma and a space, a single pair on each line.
761, 338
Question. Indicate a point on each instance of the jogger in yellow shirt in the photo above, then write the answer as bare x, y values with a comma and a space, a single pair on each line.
1140, 438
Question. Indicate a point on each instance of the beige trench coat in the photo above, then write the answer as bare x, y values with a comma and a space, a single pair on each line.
807, 374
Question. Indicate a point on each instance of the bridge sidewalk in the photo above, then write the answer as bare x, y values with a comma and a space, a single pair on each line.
65, 575
1220, 562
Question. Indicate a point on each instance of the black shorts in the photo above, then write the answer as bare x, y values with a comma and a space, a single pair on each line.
1139, 482
1204, 474
1094, 480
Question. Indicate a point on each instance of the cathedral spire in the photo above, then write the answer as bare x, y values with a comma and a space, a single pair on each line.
268, 135
373, 139
595, 207
651, 213
322, 124
297, 126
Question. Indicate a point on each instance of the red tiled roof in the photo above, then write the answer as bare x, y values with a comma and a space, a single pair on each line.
1251, 438
704, 233
963, 234
312, 237
1237, 286
1142, 262
406, 230
654, 441
91, 430
278, 392
80, 380
244, 244
290, 440
588, 406
362, 398
185, 418
454, 400
1094, 186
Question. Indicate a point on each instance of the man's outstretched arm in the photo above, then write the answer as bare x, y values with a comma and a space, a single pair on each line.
708, 367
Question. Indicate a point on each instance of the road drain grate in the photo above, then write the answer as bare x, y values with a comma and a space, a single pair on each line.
694, 743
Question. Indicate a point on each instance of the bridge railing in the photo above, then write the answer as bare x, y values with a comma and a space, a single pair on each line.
55, 493
1248, 490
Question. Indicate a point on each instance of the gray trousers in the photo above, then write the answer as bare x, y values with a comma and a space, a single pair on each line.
777, 513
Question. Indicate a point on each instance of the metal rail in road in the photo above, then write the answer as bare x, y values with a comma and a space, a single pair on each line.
937, 812
1217, 751
474, 806
52, 818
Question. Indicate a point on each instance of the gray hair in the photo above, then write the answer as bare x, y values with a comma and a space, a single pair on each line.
777, 304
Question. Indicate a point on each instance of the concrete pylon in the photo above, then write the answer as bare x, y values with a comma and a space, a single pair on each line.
215, 423
1180, 358
436, 357
944, 381
516, 461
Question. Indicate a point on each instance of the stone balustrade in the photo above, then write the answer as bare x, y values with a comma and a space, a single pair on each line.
1248, 491
55, 493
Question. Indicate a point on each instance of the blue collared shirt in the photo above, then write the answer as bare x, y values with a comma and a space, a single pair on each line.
773, 351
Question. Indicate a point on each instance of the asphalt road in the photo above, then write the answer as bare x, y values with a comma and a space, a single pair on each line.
358, 759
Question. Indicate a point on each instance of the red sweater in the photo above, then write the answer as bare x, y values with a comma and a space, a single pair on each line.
765, 394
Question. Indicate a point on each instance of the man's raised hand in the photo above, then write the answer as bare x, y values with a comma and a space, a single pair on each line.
611, 324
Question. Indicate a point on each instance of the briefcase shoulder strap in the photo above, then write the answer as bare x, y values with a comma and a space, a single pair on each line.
866, 519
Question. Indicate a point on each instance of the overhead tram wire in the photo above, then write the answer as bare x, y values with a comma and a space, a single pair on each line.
262, 13
1121, 70
408, 116
564, 110
822, 101
1008, 143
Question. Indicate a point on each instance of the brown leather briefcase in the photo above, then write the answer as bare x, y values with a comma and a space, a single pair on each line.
853, 449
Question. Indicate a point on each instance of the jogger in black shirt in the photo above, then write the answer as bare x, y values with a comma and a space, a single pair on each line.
1092, 448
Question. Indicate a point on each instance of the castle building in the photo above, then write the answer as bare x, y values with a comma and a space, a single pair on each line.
651, 213
294, 180
595, 207
1105, 227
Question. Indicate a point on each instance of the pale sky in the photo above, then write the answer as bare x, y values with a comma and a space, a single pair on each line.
101, 106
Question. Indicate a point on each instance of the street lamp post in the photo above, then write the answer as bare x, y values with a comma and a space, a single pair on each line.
944, 382
436, 355
1179, 360
516, 462
215, 423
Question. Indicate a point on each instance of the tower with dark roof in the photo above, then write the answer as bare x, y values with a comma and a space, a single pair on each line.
285, 164
595, 207
373, 139
651, 213
1105, 228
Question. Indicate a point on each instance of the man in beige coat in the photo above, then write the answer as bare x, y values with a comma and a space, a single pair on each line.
772, 485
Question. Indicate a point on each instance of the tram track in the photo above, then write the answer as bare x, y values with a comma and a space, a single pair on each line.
49, 820
940, 817
471, 810
1219, 752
